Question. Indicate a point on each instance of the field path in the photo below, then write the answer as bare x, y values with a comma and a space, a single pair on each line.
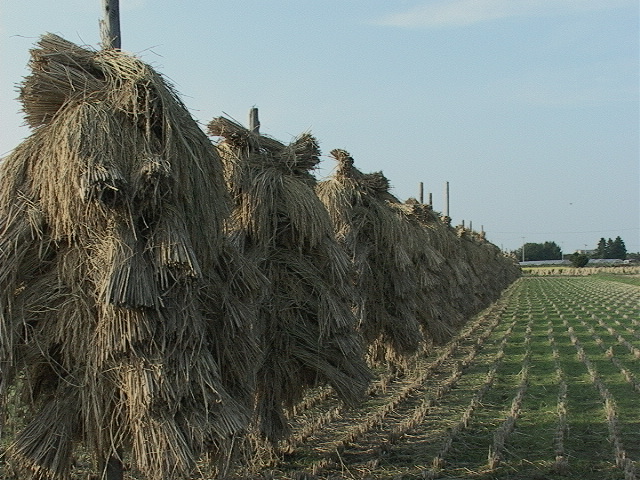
544, 384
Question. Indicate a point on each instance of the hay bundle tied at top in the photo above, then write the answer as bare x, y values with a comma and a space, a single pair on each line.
305, 321
376, 233
116, 313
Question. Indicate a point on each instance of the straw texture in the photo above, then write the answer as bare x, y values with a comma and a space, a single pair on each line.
417, 279
374, 230
305, 321
119, 300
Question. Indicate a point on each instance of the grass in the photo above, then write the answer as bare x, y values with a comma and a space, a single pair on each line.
552, 307
629, 279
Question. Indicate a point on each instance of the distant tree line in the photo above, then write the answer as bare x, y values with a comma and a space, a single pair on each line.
539, 251
551, 251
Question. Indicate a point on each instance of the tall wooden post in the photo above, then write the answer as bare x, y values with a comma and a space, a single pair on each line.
254, 122
111, 468
421, 193
431, 199
446, 200
110, 24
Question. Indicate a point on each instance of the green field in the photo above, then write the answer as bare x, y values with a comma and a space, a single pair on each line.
544, 384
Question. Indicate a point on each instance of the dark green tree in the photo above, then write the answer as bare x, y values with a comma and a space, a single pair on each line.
540, 251
601, 249
618, 249
552, 251
609, 248
579, 260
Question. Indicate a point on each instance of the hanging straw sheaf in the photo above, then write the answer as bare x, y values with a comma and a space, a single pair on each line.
375, 231
429, 235
116, 275
305, 324
472, 275
48, 437
417, 279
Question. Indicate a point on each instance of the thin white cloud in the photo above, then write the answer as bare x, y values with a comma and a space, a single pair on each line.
456, 13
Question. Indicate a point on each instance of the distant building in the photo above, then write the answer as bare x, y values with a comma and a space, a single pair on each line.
533, 263
606, 261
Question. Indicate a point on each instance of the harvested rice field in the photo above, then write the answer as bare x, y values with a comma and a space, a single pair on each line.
544, 384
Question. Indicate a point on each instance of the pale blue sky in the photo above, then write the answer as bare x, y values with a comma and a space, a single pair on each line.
529, 108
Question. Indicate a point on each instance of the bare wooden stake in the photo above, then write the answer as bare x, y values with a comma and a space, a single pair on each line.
110, 24
446, 200
421, 193
254, 122
111, 468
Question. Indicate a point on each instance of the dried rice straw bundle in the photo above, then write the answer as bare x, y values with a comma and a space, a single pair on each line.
442, 242
474, 272
305, 321
124, 313
496, 270
428, 252
374, 228
487, 270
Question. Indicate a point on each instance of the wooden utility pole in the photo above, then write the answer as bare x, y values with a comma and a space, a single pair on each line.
110, 24
254, 122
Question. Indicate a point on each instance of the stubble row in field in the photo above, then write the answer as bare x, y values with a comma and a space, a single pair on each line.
543, 384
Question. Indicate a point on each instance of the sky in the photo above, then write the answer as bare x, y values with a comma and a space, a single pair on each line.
528, 108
